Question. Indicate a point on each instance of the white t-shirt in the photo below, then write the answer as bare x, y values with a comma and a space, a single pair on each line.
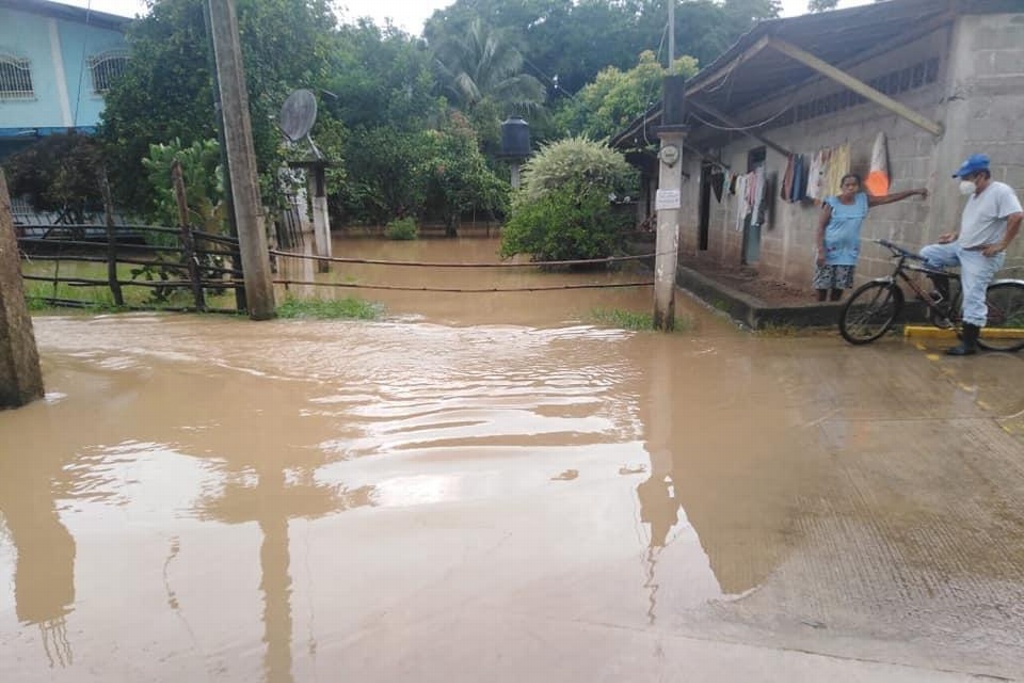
984, 218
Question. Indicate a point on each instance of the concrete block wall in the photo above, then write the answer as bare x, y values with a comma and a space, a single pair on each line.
989, 90
978, 97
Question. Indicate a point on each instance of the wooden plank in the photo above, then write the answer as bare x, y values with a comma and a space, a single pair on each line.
856, 85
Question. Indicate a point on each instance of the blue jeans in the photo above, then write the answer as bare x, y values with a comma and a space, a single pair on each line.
976, 272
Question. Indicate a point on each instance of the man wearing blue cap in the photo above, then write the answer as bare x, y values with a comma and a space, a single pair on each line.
989, 223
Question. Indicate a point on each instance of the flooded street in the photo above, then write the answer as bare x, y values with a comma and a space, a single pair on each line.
488, 487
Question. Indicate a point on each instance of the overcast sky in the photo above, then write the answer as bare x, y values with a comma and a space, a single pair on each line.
408, 14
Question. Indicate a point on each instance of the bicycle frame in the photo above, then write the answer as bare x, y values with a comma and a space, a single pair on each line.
900, 273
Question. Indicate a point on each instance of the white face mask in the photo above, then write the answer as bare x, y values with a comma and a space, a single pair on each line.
967, 187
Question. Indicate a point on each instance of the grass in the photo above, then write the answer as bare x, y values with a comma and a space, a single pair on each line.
631, 320
349, 308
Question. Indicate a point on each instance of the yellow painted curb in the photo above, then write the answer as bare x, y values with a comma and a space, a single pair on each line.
927, 332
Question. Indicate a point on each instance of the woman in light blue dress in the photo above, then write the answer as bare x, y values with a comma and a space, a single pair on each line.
842, 217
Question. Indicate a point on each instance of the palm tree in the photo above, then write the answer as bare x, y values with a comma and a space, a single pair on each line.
481, 66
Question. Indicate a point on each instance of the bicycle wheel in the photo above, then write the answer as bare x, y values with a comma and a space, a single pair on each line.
870, 312
1004, 328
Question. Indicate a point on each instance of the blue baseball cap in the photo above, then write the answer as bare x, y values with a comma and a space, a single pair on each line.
974, 163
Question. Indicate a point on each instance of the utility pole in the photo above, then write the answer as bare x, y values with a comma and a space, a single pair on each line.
668, 202
21, 379
229, 200
671, 33
252, 236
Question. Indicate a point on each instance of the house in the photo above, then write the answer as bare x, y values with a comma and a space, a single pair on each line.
941, 79
56, 61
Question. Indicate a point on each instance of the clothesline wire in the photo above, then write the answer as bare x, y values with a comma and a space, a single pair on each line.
743, 128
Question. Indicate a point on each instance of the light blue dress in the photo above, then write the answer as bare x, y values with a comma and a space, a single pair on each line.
842, 234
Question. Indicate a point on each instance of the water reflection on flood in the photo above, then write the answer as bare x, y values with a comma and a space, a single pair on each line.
297, 500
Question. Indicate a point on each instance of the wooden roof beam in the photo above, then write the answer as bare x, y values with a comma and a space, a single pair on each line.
856, 85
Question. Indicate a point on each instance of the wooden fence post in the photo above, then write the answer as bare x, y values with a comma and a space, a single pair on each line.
187, 239
108, 209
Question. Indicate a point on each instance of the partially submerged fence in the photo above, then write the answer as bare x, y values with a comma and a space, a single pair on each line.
167, 260
199, 263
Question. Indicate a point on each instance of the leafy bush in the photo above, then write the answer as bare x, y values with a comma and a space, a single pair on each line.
401, 229
571, 222
564, 210
202, 175
577, 161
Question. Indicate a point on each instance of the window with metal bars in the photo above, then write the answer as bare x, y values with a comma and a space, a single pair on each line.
106, 68
15, 78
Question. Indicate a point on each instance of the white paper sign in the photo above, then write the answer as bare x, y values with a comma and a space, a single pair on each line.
667, 200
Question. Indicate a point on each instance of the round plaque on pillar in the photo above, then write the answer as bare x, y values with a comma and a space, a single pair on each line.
669, 155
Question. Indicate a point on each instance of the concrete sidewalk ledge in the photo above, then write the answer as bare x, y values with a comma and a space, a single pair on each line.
751, 311
756, 314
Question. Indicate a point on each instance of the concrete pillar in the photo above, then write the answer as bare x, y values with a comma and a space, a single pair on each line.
21, 379
321, 219
516, 175
668, 203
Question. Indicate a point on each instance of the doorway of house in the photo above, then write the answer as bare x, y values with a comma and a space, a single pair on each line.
704, 207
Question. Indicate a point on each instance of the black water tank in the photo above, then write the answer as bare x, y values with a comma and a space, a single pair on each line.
515, 138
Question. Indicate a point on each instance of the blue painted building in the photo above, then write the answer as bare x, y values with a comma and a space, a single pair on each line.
56, 62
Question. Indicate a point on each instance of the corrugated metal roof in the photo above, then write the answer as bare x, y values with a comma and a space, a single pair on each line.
732, 83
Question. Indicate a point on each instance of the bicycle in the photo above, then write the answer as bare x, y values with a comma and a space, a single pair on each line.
873, 308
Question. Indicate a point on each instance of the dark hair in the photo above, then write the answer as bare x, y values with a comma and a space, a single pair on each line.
986, 172
854, 176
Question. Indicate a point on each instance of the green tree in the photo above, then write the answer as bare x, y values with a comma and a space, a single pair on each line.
166, 92
481, 66
381, 95
380, 76
606, 106
384, 182
458, 178
565, 43
59, 174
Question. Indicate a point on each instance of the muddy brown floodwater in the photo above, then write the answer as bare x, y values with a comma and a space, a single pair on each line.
488, 487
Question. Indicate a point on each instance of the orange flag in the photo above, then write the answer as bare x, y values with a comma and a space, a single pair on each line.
877, 182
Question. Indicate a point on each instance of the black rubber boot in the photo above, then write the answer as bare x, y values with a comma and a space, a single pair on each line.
968, 342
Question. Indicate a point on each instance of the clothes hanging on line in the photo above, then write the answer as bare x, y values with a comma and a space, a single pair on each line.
799, 191
838, 166
742, 205
718, 184
816, 182
877, 182
794, 181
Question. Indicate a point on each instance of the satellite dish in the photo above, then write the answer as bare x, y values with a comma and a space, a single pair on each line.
298, 114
